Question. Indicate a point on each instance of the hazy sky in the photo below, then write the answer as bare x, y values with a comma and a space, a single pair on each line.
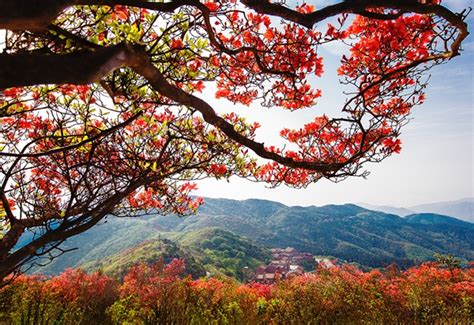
436, 162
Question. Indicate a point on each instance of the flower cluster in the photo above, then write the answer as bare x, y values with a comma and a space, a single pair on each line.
158, 294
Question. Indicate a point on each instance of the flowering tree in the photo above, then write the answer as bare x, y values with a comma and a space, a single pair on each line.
157, 294
101, 114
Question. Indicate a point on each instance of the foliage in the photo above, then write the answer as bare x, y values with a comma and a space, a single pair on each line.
217, 251
223, 252
425, 294
70, 298
448, 261
148, 252
117, 127
149, 294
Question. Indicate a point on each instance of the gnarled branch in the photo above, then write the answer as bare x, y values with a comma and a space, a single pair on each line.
89, 67
361, 7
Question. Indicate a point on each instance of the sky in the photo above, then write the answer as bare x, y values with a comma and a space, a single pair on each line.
435, 164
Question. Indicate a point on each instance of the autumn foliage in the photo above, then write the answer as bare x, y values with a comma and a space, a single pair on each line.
158, 294
69, 298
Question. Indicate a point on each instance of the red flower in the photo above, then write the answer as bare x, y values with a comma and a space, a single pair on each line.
212, 6
176, 43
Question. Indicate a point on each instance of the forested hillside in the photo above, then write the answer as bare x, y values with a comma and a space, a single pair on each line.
348, 232
212, 250
149, 252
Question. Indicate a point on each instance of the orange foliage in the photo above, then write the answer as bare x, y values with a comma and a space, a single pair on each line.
157, 294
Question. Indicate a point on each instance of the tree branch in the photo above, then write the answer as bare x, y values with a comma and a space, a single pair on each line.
32, 15
36, 15
85, 67
90, 66
360, 7
66, 230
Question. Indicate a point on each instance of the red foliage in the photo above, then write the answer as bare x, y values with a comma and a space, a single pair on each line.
157, 293
131, 140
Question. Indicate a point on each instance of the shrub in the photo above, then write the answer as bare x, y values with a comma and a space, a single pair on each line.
74, 297
158, 294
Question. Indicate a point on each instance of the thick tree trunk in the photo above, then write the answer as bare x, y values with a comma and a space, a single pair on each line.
25, 69
33, 15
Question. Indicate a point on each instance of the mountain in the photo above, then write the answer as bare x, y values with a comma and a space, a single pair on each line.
348, 232
462, 209
223, 252
107, 238
402, 212
212, 250
148, 252
437, 219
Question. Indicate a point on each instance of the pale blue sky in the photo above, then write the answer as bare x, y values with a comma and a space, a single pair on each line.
436, 163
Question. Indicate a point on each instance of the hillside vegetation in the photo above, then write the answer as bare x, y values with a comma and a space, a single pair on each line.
148, 252
223, 252
427, 294
347, 232
212, 250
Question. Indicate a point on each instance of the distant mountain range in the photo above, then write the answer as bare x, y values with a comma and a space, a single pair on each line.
401, 212
227, 235
461, 209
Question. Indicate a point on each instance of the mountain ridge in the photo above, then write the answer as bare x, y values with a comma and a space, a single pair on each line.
462, 209
348, 232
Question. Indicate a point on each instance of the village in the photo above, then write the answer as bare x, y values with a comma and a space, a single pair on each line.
286, 263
